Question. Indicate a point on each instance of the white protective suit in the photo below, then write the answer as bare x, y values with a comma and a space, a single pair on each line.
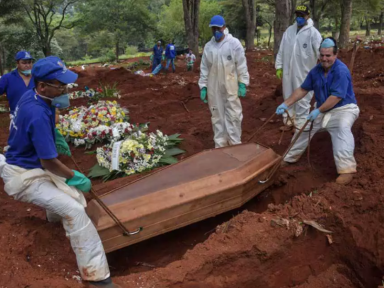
298, 54
338, 122
42, 189
222, 67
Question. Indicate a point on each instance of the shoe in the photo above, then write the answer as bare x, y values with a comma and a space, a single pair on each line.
344, 179
107, 283
286, 128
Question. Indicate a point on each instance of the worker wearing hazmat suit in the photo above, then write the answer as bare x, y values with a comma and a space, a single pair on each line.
223, 79
298, 54
336, 110
33, 174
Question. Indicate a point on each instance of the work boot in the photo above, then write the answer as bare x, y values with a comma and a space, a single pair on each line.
286, 128
107, 283
344, 179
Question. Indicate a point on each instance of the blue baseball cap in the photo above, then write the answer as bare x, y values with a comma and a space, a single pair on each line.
217, 21
52, 68
23, 55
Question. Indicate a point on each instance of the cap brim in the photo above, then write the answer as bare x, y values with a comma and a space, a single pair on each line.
213, 25
67, 77
301, 13
27, 58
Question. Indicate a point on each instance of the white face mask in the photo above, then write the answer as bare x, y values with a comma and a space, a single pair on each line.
60, 102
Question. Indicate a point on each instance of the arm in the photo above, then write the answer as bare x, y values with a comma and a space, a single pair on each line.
204, 71
329, 103
56, 167
279, 56
3, 84
297, 95
241, 64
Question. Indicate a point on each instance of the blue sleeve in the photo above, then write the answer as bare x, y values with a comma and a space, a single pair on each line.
42, 137
167, 51
339, 85
308, 82
3, 84
154, 49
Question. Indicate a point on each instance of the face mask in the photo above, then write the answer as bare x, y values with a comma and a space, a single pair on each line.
218, 35
300, 21
26, 72
60, 102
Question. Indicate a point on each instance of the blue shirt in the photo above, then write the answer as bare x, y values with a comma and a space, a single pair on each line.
13, 85
157, 51
32, 135
170, 51
337, 83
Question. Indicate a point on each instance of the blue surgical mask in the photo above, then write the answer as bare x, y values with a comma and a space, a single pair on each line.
218, 35
60, 102
26, 72
301, 21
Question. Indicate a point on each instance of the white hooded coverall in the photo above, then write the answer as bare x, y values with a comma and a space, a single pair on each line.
222, 67
298, 54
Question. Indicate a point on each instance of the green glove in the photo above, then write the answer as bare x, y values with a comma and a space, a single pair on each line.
151, 58
242, 89
279, 73
80, 181
163, 57
61, 145
203, 95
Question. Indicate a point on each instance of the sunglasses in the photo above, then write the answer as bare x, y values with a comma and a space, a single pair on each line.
61, 88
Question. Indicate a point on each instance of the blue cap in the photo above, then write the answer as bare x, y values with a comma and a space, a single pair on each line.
52, 68
217, 21
327, 43
23, 55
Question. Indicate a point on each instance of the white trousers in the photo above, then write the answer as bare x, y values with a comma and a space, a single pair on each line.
85, 240
338, 122
226, 117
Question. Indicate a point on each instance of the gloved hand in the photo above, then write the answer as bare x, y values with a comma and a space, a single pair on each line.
61, 145
242, 89
281, 109
313, 115
80, 181
279, 73
151, 58
203, 95
163, 57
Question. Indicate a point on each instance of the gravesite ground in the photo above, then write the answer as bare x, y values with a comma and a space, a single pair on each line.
265, 243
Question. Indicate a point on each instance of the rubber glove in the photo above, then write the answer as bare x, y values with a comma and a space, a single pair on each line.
313, 115
242, 89
279, 73
151, 58
61, 145
203, 95
281, 109
80, 181
163, 57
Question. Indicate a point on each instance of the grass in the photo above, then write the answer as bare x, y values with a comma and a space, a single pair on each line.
100, 59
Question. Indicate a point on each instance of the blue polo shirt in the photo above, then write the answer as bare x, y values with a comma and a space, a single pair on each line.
170, 51
13, 85
337, 83
157, 51
32, 135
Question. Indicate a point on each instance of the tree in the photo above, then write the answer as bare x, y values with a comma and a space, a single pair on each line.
250, 17
207, 10
381, 22
125, 19
346, 14
318, 8
284, 11
191, 20
42, 14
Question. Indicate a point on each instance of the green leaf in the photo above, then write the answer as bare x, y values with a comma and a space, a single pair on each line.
98, 171
90, 152
173, 152
168, 160
175, 137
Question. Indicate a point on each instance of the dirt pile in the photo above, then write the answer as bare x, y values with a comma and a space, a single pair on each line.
228, 251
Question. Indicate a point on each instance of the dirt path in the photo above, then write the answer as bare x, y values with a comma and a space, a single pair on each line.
250, 252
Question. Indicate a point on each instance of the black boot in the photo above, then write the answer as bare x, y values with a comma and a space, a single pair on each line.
106, 283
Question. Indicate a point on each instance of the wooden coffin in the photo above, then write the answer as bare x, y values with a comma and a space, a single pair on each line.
201, 186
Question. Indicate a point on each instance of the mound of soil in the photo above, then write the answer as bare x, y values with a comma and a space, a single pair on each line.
242, 248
